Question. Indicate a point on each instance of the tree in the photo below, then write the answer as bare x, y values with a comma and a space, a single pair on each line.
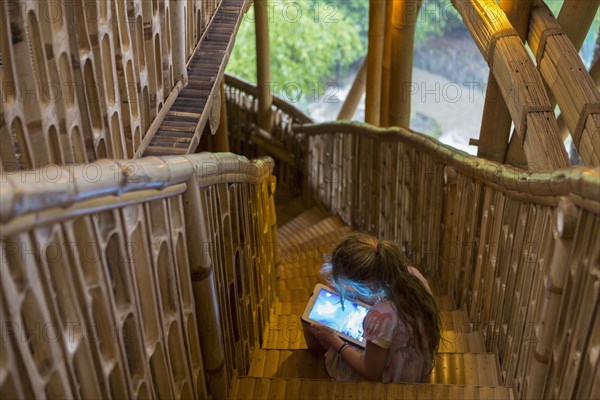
308, 42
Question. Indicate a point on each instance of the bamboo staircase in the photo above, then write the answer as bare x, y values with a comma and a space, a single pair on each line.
283, 367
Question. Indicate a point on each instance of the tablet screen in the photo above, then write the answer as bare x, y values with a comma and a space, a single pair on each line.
327, 310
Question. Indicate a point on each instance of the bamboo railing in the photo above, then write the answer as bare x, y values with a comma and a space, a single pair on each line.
83, 80
282, 143
519, 250
134, 279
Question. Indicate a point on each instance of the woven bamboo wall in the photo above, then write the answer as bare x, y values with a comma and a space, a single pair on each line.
106, 292
83, 79
518, 250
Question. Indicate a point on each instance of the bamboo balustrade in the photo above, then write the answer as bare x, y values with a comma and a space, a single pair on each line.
134, 278
519, 82
571, 84
282, 142
497, 237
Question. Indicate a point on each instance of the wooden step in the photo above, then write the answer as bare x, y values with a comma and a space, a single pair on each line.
313, 250
453, 320
301, 295
284, 332
287, 209
316, 230
301, 222
289, 389
481, 369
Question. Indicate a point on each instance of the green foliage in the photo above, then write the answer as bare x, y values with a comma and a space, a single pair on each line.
436, 18
309, 41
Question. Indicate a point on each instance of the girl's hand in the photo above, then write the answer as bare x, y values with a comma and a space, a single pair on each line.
326, 336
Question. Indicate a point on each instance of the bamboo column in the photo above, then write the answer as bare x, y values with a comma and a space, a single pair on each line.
386, 63
404, 19
496, 121
263, 68
355, 93
205, 293
222, 134
178, 17
375, 58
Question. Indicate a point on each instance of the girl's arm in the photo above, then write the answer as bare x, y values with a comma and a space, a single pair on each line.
368, 364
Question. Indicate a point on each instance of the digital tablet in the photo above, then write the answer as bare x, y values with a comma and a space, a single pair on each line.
325, 308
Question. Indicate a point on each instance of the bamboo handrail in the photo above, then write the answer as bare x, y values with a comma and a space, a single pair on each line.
518, 80
70, 184
580, 181
244, 85
572, 86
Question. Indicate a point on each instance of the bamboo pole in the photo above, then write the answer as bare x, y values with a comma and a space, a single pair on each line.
375, 58
222, 134
355, 93
386, 65
263, 68
576, 17
404, 19
496, 121
178, 17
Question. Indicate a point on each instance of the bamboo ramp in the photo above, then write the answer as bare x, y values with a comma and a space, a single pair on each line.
199, 101
283, 367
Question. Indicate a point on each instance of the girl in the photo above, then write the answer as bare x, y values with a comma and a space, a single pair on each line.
402, 328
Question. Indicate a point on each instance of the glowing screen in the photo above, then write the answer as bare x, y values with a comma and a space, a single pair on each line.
327, 310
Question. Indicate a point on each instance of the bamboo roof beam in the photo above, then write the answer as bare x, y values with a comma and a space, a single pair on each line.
386, 65
570, 83
595, 74
404, 20
575, 18
354, 95
263, 67
375, 58
518, 80
496, 121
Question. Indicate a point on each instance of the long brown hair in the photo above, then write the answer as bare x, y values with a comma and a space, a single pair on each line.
370, 267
